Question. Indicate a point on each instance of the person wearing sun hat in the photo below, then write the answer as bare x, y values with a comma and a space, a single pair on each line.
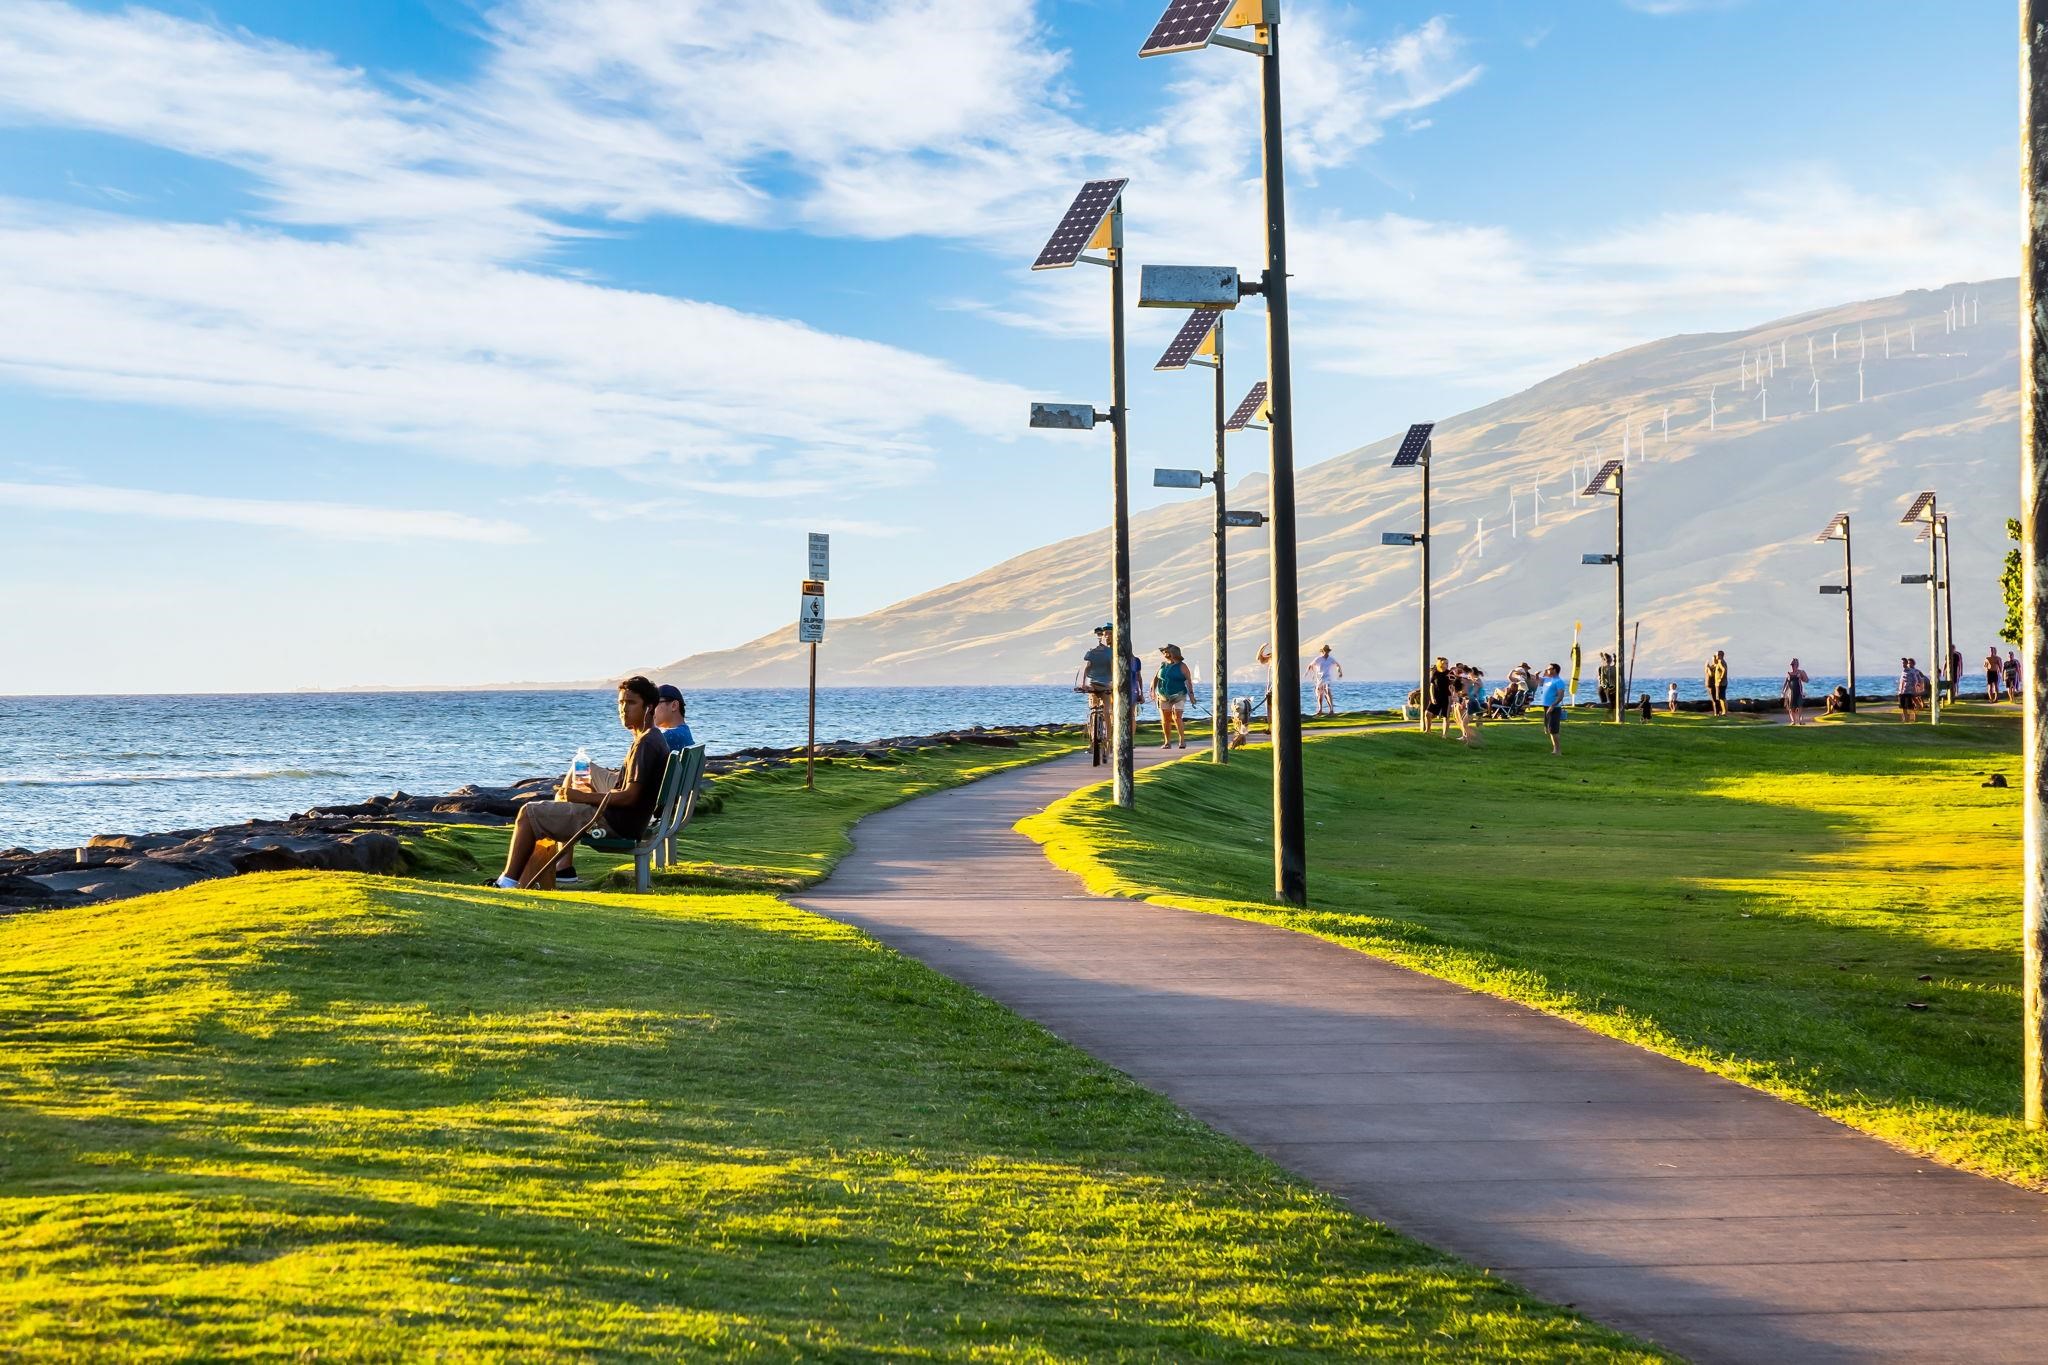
1172, 685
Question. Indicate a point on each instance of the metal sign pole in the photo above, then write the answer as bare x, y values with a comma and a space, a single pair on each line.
1219, 683
811, 743
1120, 570
1290, 820
2033, 549
1948, 597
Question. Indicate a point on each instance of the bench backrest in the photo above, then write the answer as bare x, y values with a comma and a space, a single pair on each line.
678, 792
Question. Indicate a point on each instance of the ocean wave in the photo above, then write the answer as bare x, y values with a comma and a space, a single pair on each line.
152, 779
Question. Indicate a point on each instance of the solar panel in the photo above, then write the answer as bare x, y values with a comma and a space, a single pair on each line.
1249, 408
1608, 473
1085, 215
1835, 529
1413, 445
1192, 334
1186, 25
1918, 511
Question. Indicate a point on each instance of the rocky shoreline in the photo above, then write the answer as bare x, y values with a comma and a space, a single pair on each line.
359, 836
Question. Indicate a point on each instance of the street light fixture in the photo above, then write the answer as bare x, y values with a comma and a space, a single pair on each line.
1200, 342
1186, 26
1416, 450
1838, 529
1095, 222
1924, 512
1607, 480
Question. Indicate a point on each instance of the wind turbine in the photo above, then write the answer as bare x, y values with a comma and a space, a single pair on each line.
1913, 337
1713, 395
1745, 372
1763, 397
1887, 343
1479, 535
1835, 344
1816, 391
1514, 521
1861, 348
1667, 424
1783, 342
1859, 381
1536, 513
1809, 353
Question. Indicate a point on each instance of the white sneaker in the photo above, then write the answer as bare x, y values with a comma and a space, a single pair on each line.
507, 883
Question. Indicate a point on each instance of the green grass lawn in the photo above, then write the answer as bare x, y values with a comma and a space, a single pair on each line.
337, 1117
755, 830
1831, 914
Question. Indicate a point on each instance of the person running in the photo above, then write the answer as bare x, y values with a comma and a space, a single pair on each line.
1795, 694
1322, 671
1994, 673
1549, 695
1436, 698
1172, 684
2012, 674
1717, 684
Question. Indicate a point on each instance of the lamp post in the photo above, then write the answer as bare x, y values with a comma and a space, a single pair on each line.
1838, 529
2034, 546
1607, 480
1200, 342
1188, 25
1924, 512
1095, 221
1417, 450
1948, 598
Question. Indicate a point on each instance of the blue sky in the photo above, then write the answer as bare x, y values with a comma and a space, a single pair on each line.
445, 341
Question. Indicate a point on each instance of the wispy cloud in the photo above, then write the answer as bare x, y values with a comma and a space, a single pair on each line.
329, 520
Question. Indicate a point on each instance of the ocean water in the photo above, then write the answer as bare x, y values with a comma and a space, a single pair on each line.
72, 767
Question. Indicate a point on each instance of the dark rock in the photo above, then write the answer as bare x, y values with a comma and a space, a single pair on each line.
21, 893
1996, 780
132, 843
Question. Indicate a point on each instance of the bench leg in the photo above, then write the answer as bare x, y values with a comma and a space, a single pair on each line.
642, 879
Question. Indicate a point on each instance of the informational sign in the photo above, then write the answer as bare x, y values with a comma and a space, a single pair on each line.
810, 619
821, 556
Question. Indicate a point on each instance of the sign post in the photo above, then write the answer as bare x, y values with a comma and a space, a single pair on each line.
810, 629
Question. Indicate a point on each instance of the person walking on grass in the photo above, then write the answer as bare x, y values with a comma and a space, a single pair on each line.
1549, 697
1464, 700
1717, 684
1172, 685
1323, 670
1994, 673
1795, 694
1912, 683
2012, 674
1436, 699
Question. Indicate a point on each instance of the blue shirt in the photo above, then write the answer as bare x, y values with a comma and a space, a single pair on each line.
679, 737
1550, 692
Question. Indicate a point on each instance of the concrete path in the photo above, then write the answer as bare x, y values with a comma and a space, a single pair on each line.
1713, 1220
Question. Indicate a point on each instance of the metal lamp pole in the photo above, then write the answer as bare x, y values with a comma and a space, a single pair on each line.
1219, 681
1608, 480
2034, 543
1096, 220
1422, 660
1934, 613
1948, 597
1838, 529
1187, 27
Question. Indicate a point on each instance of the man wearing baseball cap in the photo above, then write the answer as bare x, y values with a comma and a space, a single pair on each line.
668, 718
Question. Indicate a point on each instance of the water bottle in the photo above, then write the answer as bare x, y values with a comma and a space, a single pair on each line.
579, 769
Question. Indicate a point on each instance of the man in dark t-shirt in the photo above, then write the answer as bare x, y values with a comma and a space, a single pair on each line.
627, 808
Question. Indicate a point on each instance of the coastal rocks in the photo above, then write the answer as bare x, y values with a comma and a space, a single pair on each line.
358, 836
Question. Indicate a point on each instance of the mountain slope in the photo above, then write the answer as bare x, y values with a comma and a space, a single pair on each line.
1721, 523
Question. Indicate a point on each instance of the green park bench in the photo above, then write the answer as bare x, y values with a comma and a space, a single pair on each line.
657, 847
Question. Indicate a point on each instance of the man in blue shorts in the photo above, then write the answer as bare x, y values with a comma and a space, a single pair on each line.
1549, 695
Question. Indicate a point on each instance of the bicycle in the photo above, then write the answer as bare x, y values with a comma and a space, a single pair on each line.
1098, 723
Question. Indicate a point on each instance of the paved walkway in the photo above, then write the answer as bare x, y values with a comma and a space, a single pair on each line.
1688, 1210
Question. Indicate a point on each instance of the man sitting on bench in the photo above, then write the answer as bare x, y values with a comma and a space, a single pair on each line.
627, 806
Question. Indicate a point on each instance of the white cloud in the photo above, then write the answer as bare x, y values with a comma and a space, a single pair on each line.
329, 520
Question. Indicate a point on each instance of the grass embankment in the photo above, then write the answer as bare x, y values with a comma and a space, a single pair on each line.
347, 1117
756, 829
1829, 914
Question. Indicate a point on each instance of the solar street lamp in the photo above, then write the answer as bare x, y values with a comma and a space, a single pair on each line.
1415, 451
1607, 480
1095, 222
1200, 342
1938, 531
1838, 529
1923, 512
1187, 26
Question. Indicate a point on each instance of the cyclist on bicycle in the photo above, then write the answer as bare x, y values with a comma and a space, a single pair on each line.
1098, 665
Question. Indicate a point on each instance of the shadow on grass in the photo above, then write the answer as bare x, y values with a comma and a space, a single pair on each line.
474, 1121
1825, 913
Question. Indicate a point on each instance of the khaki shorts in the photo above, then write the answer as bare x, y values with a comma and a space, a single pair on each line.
557, 820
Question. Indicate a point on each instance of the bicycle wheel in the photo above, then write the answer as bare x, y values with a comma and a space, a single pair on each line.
1097, 732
